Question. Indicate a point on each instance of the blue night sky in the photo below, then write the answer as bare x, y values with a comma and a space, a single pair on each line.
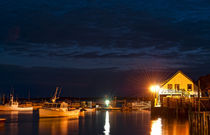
97, 47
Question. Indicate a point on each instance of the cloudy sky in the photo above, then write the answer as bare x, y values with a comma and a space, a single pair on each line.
97, 47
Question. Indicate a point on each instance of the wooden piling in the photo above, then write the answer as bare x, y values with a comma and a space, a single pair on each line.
199, 123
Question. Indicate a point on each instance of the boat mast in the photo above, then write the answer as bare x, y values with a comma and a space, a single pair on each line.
29, 94
3, 99
11, 99
55, 95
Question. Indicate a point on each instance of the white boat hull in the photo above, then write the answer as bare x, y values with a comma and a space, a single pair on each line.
14, 108
90, 109
58, 113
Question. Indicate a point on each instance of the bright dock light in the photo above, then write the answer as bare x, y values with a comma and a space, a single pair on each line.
107, 102
154, 88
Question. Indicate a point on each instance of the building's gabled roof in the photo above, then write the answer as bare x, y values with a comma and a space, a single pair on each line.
179, 71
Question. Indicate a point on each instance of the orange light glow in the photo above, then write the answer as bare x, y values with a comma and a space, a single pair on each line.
154, 88
156, 128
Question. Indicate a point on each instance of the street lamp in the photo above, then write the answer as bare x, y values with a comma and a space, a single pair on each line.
155, 89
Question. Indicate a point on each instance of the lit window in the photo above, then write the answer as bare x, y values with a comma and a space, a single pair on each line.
189, 87
177, 87
170, 86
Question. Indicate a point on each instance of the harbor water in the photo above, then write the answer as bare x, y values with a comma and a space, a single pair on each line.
93, 123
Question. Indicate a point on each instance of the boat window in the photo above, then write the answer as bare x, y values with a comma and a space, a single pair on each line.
64, 105
46, 105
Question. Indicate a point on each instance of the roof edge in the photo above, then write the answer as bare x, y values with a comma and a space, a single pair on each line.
179, 71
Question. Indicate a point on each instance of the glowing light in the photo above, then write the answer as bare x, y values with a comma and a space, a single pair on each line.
154, 88
107, 102
156, 127
58, 126
107, 124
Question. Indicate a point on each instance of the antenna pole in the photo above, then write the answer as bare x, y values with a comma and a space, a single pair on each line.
199, 101
29, 95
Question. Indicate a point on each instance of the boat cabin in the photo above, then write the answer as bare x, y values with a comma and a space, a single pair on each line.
12, 102
56, 105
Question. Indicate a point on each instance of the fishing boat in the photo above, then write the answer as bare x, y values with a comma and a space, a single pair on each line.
58, 109
13, 106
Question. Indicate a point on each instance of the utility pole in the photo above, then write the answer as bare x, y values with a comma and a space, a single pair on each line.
3, 99
29, 95
199, 106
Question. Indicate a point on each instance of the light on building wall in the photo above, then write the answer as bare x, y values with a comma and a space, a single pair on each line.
155, 89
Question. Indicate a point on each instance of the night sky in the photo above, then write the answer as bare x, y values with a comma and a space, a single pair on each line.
98, 47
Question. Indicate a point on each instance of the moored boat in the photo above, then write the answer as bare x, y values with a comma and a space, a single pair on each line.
13, 106
88, 109
58, 109
109, 108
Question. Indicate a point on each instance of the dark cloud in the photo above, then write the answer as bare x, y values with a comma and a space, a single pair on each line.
109, 23
93, 34
92, 56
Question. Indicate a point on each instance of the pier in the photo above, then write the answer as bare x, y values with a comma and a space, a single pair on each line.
199, 123
198, 115
180, 105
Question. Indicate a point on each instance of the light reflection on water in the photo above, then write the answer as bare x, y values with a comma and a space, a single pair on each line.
55, 126
156, 127
96, 123
169, 126
107, 124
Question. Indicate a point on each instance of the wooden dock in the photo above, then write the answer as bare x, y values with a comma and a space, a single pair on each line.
199, 123
183, 105
199, 118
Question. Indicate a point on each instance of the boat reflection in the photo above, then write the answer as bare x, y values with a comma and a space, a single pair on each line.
107, 124
55, 126
12, 115
82, 114
1, 126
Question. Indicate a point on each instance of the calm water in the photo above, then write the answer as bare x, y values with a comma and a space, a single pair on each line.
97, 123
